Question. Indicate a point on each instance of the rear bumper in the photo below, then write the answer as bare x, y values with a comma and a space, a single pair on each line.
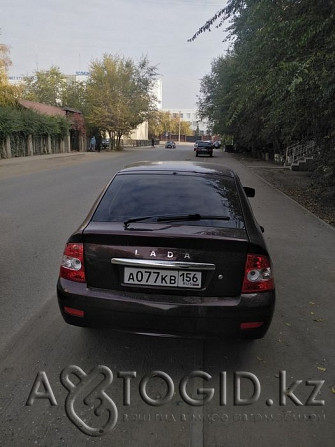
204, 151
144, 313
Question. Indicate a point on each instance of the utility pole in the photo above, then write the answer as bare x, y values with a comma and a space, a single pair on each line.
179, 128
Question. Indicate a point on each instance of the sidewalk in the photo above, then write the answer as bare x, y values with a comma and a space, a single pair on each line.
296, 184
19, 160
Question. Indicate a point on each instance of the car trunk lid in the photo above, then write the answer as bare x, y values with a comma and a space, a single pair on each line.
165, 258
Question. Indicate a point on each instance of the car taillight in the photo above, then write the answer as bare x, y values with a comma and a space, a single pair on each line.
72, 266
74, 312
258, 274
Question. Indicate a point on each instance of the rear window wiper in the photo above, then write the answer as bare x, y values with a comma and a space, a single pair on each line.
191, 217
137, 219
173, 218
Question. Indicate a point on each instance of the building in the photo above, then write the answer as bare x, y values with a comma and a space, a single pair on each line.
77, 137
200, 127
15, 80
45, 109
140, 133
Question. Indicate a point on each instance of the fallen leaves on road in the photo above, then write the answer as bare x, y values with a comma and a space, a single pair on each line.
260, 359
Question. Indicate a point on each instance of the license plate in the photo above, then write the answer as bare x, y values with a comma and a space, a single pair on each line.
162, 278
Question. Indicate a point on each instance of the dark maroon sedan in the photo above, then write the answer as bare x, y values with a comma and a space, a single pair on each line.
170, 248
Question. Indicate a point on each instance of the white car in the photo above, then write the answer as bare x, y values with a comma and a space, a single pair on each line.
170, 145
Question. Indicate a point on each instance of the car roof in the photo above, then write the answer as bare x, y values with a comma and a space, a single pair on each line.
178, 166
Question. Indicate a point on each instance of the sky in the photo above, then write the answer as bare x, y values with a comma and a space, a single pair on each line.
70, 34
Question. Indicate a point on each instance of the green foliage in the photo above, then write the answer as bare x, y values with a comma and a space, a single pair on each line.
276, 84
54, 88
324, 173
5, 61
74, 95
27, 122
8, 93
116, 98
46, 86
9, 121
161, 122
119, 94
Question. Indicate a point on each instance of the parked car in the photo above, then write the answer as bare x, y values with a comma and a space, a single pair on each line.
105, 143
170, 144
204, 148
145, 262
217, 144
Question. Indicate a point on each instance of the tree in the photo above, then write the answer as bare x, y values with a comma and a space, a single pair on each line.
8, 93
119, 95
276, 84
74, 95
45, 86
185, 128
162, 122
54, 88
5, 61
276, 81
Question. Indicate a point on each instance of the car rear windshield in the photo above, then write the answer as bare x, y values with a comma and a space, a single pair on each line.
204, 143
136, 195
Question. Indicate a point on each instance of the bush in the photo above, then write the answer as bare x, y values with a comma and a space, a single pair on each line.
27, 122
324, 174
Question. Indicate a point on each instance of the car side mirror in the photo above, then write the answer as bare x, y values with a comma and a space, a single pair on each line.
250, 192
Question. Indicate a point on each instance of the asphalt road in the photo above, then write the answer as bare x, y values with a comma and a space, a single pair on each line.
42, 202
